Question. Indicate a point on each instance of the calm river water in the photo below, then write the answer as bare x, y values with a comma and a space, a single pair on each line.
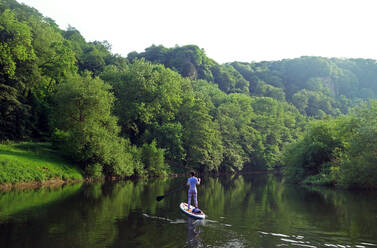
242, 211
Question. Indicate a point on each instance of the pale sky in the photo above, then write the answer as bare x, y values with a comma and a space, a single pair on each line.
232, 30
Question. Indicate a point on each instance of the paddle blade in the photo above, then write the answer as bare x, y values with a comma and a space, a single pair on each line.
159, 198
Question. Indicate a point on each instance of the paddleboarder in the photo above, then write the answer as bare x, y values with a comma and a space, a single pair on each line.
192, 191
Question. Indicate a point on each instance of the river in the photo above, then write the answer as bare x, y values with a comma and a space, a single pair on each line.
242, 211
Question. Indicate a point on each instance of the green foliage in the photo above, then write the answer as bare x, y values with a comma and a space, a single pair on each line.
229, 80
277, 124
202, 115
357, 167
153, 159
169, 136
35, 58
94, 170
148, 100
263, 89
16, 43
201, 136
83, 114
136, 153
190, 61
315, 85
55, 57
155, 103
309, 155
338, 152
253, 130
314, 103
16, 56
146, 94
239, 138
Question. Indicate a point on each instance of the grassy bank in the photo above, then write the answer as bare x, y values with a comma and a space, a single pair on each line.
34, 162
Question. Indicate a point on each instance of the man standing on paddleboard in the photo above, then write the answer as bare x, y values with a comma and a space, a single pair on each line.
192, 192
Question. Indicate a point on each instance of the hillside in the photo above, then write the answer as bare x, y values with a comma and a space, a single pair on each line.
168, 110
316, 86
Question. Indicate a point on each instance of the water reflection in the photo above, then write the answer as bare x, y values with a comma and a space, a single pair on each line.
193, 231
243, 211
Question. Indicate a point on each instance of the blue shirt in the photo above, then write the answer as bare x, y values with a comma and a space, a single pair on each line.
192, 181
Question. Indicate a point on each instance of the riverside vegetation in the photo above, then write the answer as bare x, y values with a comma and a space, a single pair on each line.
27, 162
169, 110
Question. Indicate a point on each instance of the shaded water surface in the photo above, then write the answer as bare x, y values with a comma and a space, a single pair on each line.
242, 211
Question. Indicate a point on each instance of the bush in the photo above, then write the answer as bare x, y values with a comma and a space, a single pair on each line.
324, 177
358, 173
294, 158
310, 156
94, 171
341, 152
136, 154
153, 159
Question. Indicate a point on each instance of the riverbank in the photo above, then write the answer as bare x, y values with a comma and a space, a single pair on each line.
31, 165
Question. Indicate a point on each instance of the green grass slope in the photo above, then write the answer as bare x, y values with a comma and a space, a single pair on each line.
30, 162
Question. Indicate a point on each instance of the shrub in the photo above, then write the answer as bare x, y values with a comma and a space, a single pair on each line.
94, 170
153, 159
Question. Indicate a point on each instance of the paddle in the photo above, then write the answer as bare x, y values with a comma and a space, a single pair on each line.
159, 198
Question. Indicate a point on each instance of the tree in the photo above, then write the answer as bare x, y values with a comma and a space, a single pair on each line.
153, 159
356, 167
85, 128
263, 89
201, 136
16, 57
148, 100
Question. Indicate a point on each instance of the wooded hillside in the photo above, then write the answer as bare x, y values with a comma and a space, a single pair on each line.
166, 109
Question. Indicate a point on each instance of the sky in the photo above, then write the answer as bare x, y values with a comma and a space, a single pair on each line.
227, 30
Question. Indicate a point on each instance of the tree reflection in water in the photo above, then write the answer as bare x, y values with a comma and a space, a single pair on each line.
243, 211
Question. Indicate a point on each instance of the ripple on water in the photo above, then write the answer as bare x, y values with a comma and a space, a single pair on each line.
156, 217
368, 244
299, 240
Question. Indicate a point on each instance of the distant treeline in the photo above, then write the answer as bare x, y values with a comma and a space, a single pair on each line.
316, 86
166, 109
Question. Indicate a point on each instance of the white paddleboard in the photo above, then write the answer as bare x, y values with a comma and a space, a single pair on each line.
183, 207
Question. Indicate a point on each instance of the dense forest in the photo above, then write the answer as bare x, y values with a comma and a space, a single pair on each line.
169, 110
